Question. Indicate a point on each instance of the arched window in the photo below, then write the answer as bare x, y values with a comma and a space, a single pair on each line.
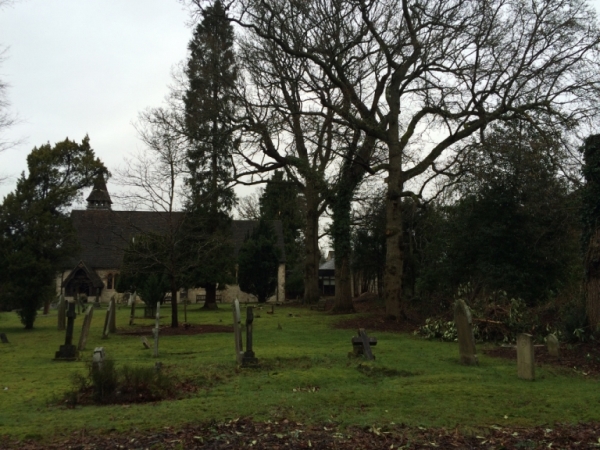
109, 281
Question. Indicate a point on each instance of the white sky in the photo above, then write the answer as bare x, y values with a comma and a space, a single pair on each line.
77, 67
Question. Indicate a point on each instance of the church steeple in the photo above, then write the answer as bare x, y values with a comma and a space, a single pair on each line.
99, 197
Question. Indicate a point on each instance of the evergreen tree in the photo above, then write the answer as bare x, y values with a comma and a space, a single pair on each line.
258, 261
211, 73
36, 235
280, 200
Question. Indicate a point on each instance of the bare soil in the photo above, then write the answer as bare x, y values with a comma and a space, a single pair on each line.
183, 329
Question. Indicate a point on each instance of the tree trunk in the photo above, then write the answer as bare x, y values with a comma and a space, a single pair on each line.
341, 243
174, 318
211, 297
311, 241
592, 281
392, 278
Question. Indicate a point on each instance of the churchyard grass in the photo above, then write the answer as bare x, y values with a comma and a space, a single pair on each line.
305, 374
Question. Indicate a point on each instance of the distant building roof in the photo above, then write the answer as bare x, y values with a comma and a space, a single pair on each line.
104, 234
328, 265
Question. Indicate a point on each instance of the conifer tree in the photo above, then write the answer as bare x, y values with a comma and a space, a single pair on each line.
211, 73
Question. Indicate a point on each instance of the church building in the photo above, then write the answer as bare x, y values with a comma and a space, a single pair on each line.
103, 235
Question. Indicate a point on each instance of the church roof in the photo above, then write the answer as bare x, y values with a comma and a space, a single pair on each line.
104, 234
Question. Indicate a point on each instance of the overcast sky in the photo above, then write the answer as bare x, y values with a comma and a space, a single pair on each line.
77, 67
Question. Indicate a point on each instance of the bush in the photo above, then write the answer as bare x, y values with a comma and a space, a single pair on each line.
109, 385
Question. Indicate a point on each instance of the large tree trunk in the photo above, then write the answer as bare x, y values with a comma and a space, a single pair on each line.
592, 281
392, 279
211, 297
311, 241
341, 244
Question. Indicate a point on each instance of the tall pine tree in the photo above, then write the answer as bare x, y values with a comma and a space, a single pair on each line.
212, 73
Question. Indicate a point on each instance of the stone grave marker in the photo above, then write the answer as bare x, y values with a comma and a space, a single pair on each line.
145, 342
525, 357
112, 325
85, 329
361, 345
62, 307
68, 352
3, 338
237, 331
249, 358
107, 319
156, 330
553, 345
98, 358
132, 304
464, 329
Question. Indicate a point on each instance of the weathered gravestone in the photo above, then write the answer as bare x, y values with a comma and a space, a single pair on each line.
145, 342
464, 330
68, 352
553, 345
85, 329
62, 310
525, 357
3, 338
98, 358
132, 304
156, 330
249, 358
107, 320
112, 324
361, 345
237, 331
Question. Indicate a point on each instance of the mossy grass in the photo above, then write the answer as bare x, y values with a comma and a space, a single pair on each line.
304, 374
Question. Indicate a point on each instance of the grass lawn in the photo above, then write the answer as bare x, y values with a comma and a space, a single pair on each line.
305, 375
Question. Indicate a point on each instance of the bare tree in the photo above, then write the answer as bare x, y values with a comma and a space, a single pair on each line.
153, 179
248, 207
424, 76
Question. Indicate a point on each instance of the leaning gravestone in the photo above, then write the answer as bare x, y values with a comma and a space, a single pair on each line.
145, 342
85, 329
464, 330
112, 325
3, 338
61, 312
107, 319
525, 357
237, 331
553, 345
68, 352
249, 358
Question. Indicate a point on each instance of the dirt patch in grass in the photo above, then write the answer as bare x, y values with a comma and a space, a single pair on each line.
582, 358
376, 322
284, 434
182, 330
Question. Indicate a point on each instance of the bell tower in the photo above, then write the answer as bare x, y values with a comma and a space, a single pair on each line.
99, 197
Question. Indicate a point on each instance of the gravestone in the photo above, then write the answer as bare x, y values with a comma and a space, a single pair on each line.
98, 358
237, 331
361, 344
249, 358
464, 330
525, 357
132, 304
112, 325
107, 319
553, 345
145, 342
156, 329
62, 307
68, 352
85, 329
3, 338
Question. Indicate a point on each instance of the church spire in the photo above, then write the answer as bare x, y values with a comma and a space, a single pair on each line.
99, 197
